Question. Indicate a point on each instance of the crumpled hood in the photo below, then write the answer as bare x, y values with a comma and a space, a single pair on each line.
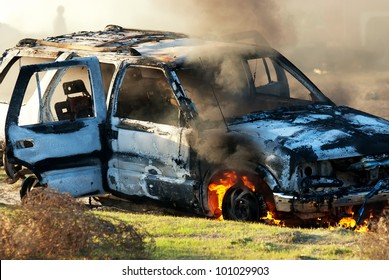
318, 131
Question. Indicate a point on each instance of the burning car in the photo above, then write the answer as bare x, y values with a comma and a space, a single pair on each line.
224, 128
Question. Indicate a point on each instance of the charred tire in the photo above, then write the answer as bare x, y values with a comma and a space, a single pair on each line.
28, 184
2, 147
241, 204
10, 169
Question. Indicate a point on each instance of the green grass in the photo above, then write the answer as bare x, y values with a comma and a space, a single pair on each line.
3, 176
199, 238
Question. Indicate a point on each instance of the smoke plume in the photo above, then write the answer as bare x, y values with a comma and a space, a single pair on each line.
340, 45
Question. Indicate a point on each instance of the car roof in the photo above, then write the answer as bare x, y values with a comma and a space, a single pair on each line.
115, 43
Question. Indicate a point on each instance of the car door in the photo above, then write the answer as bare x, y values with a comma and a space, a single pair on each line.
64, 145
150, 149
9, 67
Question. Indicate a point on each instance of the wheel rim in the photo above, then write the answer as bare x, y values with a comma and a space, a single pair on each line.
241, 204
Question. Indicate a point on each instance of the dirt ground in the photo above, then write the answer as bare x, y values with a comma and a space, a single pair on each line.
9, 194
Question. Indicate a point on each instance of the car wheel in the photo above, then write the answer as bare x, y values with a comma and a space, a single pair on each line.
28, 184
241, 204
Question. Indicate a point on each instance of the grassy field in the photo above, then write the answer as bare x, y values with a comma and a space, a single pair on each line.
198, 238
103, 233
64, 228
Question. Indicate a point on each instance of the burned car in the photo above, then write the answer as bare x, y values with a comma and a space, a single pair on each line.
223, 128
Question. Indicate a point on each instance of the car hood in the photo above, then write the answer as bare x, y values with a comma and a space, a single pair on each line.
317, 131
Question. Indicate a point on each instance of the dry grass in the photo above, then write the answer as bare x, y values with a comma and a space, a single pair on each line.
374, 244
49, 225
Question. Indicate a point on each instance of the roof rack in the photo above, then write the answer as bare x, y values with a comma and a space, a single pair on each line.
97, 48
33, 42
113, 38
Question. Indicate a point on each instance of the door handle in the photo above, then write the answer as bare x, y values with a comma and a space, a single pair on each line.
24, 144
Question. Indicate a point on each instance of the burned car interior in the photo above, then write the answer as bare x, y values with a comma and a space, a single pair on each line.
220, 128
68, 99
78, 102
146, 95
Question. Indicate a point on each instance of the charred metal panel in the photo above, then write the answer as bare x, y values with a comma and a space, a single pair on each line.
77, 181
291, 137
323, 204
7, 60
144, 149
179, 192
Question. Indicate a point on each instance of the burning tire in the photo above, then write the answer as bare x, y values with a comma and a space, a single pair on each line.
241, 204
236, 196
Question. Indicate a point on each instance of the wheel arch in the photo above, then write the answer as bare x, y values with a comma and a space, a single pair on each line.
262, 179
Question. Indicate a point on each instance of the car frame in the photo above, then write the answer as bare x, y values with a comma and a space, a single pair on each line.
186, 121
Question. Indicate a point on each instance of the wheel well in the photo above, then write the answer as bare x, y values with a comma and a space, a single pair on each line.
28, 184
14, 172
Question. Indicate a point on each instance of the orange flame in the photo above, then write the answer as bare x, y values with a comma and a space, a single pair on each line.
271, 220
348, 222
351, 223
216, 191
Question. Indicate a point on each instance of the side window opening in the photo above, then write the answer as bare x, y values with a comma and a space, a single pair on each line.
57, 95
275, 85
262, 72
146, 95
268, 78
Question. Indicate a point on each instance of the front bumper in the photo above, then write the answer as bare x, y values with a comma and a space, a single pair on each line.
322, 204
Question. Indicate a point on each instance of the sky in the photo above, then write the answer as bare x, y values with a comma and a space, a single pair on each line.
38, 16
194, 16
318, 36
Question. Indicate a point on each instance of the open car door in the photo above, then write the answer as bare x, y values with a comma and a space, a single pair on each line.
64, 144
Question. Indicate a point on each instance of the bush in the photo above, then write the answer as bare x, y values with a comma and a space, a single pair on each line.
374, 244
50, 225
